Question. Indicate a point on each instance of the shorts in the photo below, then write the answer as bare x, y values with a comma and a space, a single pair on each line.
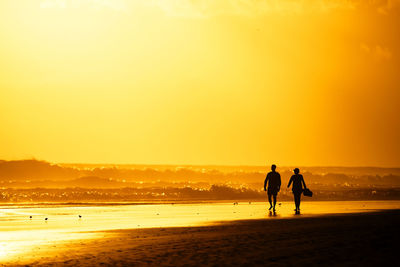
272, 191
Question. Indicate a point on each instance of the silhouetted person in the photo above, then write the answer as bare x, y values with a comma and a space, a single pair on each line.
297, 188
274, 185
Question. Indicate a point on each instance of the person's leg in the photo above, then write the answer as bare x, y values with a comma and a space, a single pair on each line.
297, 200
270, 200
298, 207
274, 201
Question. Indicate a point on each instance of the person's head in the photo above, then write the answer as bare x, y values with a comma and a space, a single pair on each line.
273, 167
296, 171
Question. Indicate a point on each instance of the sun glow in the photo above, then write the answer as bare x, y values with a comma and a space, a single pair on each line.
200, 82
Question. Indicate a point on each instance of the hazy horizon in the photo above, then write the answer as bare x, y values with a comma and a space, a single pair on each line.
267, 166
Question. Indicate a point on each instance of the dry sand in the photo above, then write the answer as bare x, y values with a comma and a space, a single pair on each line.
369, 239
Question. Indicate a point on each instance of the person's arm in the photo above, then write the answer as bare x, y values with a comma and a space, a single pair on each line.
290, 181
265, 183
302, 179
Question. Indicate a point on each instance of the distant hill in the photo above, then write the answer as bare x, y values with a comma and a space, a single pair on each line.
35, 170
40, 173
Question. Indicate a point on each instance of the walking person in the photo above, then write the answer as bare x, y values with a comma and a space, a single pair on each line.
274, 185
297, 187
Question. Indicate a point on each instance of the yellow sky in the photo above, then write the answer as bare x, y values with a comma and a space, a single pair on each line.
245, 82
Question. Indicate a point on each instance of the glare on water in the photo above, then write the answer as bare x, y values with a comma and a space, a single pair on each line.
21, 235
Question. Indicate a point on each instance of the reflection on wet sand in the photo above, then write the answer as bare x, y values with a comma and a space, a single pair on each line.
24, 232
15, 245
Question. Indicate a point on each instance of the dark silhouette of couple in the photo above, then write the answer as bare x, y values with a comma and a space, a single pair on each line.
273, 180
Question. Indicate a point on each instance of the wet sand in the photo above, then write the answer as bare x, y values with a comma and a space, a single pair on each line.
364, 239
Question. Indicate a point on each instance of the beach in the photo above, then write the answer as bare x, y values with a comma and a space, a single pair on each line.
366, 239
349, 236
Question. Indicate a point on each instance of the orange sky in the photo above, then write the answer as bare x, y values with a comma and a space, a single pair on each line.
245, 82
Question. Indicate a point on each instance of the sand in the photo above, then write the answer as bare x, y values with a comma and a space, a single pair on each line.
369, 239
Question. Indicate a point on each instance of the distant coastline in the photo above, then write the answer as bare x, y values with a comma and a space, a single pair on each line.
41, 181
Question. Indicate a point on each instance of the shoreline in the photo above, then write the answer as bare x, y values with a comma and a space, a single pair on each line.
173, 202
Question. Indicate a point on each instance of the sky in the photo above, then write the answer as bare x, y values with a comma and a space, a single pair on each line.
228, 82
